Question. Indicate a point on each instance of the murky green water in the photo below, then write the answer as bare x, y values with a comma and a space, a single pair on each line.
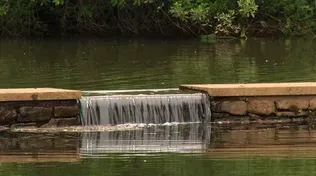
142, 64
124, 64
168, 150
173, 164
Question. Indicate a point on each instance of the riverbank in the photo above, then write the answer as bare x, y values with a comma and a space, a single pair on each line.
242, 18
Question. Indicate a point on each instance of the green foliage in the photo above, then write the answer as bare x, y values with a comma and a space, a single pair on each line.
295, 9
185, 10
304, 9
58, 2
247, 8
137, 17
3, 7
179, 11
226, 24
199, 13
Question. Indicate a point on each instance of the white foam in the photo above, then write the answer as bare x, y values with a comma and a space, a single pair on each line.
144, 110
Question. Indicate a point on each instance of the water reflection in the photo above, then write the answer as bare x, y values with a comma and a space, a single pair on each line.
223, 143
269, 137
35, 147
72, 147
165, 150
290, 141
190, 138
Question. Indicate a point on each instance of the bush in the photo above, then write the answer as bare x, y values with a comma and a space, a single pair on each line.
157, 17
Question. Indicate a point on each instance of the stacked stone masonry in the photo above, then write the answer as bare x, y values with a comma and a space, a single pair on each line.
55, 113
263, 107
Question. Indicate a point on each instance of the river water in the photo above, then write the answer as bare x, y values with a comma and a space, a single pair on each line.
139, 64
188, 149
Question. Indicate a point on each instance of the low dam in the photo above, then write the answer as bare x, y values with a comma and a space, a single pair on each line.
268, 102
205, 122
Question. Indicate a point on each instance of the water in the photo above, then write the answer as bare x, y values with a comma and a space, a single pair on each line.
144, 109
189, 138
174, 164
151, 64
169, 148
178, 150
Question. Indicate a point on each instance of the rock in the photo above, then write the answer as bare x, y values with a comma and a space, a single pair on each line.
7, 115
66, 111
261, 107
62, 122
34, 114
234, 107
21, 125
216, 106
292, 104
292, 114
219, 115
312, 104
65, 122
254, 117
51, 124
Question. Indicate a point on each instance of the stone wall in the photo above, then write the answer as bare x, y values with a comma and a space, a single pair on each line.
263, 107
39, 113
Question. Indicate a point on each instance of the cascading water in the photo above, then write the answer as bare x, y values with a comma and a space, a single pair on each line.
179, 115
144, 109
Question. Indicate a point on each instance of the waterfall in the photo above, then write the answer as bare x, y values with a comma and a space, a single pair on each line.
144, 109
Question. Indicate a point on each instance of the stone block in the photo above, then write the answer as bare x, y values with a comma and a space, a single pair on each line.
292, 114
7, 115
30, 94
21, 125
312, 104
219, 115
65, 122
51, 124
61, 122
34, 114
66, 111
261, 107
254, 117
216, 106
292, 104
234, 107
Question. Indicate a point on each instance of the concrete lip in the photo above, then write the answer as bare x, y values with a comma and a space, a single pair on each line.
31, 94
256, 89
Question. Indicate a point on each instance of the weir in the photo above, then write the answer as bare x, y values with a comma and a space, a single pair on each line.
246, 103
144, 109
